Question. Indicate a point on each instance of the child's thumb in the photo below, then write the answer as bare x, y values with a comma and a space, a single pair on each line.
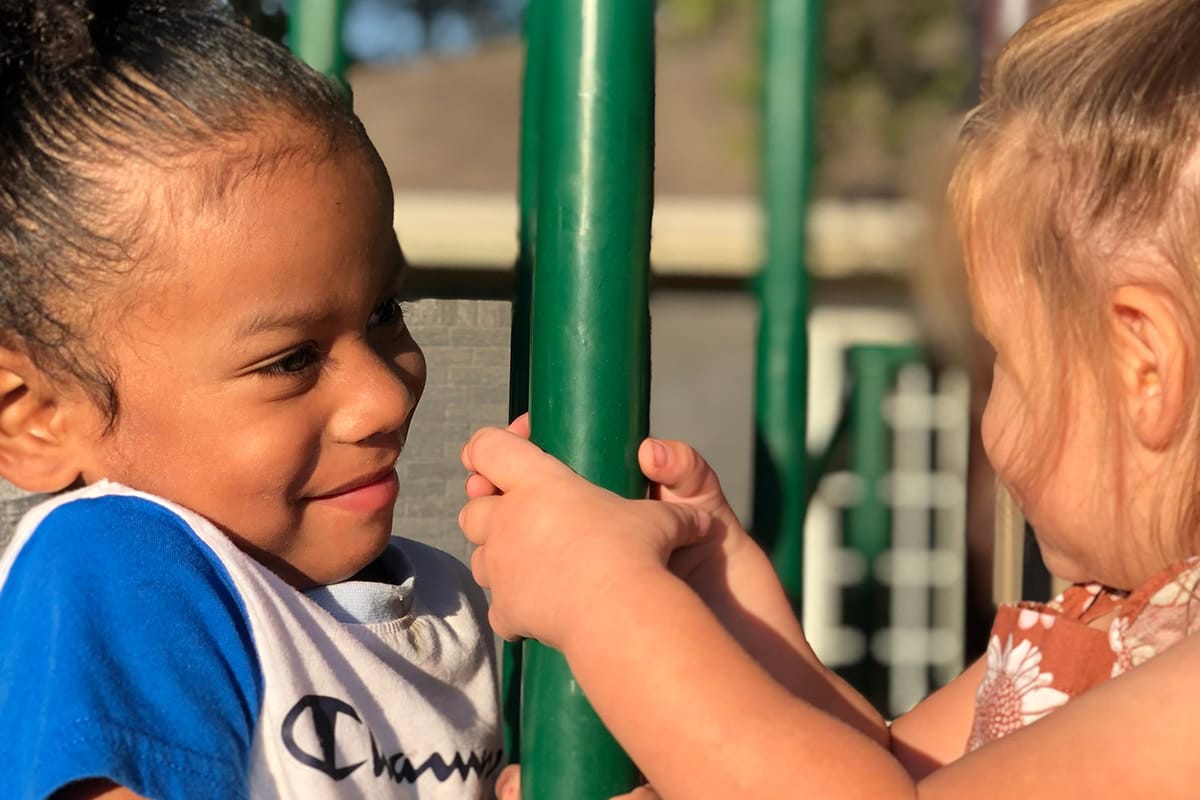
677, 467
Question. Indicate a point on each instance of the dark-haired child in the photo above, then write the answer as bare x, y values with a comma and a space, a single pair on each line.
200, 335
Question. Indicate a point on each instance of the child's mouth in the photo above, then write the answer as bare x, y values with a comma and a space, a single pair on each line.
373, 493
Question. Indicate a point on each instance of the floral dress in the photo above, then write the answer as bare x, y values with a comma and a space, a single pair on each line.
1040, 655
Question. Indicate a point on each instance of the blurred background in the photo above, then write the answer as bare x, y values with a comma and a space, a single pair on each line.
893, 74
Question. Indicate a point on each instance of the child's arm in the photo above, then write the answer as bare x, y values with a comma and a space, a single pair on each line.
737, 581
731, 574
585, 571
739, 584
575, 565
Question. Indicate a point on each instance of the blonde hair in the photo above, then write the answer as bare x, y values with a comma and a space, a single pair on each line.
1078, 172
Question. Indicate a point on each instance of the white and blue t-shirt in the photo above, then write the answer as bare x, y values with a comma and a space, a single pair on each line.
138, 644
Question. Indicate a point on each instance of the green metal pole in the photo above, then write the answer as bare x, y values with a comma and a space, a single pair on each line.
589, 375
791, 31
868, 521
872, 370
530, 156
315, 35
518, 373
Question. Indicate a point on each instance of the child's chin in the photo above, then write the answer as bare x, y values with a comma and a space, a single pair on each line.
1061, 566
376, 545
352, 556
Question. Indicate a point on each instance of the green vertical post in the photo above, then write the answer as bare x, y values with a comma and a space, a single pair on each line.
589, 373
868, 521
315, 35
872, 370
791, 33
527, 194
518, 372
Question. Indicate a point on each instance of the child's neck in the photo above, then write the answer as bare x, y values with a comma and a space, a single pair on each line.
375, 572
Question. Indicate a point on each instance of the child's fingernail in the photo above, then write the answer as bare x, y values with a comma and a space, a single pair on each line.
660, 453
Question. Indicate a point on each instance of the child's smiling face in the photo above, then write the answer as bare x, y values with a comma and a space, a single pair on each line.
264, 374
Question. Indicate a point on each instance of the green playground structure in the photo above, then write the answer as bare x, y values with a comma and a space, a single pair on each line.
315, 35
589, 165
586, 203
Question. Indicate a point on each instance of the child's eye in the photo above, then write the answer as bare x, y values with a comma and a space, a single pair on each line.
389, 312
296, 362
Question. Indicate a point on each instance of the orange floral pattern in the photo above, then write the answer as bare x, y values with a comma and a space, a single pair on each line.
1042, 654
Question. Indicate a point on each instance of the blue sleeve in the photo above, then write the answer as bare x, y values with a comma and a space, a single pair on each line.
125, 653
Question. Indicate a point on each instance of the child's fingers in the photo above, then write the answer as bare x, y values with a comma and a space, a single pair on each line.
677, 467
520, 426
479, 486
473, 518
508, 785
504, 458
479, 569
500, 627
465, 456
640, 793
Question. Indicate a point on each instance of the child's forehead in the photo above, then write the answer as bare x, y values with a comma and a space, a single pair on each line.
1001, 289
243, 167
258, 214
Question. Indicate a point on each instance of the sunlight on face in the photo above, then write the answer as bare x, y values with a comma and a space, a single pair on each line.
1044, 430
265, 375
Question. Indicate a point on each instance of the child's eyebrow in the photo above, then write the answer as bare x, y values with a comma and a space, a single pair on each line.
265, 321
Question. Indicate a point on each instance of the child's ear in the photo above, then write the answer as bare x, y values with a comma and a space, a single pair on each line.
36, 449
1153, 366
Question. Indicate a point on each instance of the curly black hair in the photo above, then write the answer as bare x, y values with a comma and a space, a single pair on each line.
89, 88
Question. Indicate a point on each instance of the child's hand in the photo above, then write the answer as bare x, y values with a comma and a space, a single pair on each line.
679, 474
727, 568
551, 544
479, 486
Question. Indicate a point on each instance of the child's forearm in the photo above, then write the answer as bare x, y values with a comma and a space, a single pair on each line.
750, 602
700, 716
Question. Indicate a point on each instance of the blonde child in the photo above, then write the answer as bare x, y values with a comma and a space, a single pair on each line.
200, 335
1078, 199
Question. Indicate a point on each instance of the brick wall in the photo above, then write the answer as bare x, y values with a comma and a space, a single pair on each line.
466, 346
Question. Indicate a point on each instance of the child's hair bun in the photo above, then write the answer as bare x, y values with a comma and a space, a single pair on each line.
48, 39
40, 38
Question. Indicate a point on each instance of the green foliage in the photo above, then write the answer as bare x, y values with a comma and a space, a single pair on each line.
896, 73
699, 15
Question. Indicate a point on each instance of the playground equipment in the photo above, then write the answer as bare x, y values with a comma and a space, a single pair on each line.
587, 164
792, 31
590, 108
315, 35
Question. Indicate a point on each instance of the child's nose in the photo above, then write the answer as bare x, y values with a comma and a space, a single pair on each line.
377, 397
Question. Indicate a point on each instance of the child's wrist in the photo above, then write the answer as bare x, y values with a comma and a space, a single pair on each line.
612, 607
